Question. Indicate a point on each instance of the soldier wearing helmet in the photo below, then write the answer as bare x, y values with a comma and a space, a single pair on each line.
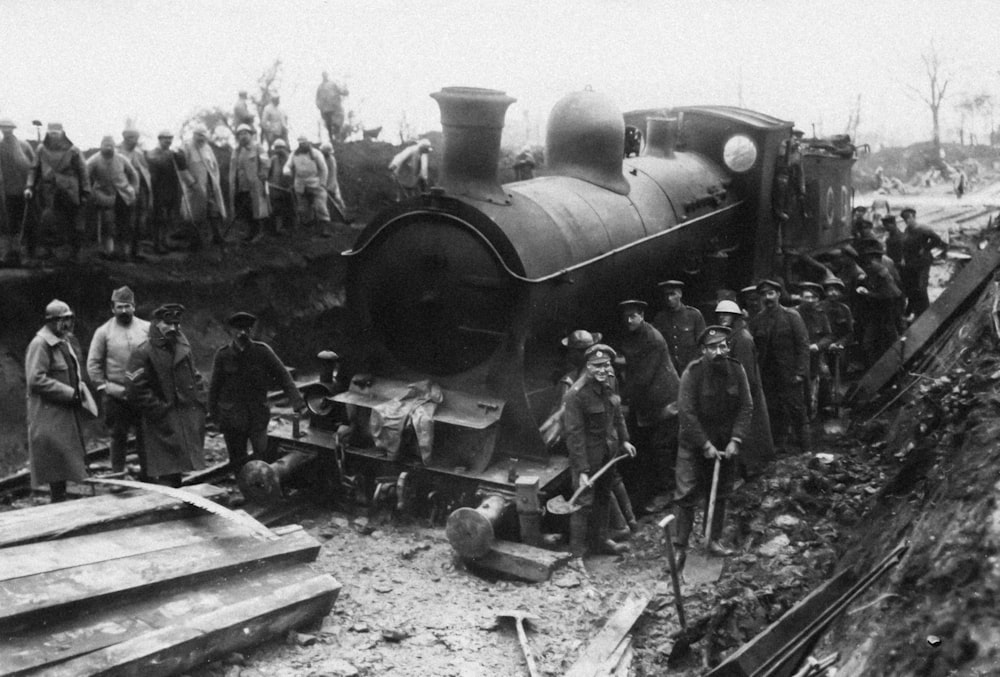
58, 396
248, 170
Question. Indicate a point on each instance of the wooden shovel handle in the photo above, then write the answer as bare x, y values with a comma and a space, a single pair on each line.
711, 501
590, 481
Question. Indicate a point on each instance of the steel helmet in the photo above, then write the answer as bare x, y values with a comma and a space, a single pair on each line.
727, 306
57, 309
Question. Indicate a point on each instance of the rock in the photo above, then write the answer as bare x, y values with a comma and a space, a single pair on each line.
410, 553
787, 521
300, 639
566, 580
382, 587
359, 627
394, 634
774, 547
334, 667
338, 523
233, 671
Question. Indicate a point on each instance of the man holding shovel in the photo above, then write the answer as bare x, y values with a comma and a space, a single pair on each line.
595, 434
716, 409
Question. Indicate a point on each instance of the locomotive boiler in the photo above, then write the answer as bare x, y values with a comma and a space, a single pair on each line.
461, 295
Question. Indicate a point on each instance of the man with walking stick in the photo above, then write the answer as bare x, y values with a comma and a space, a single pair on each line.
715, 415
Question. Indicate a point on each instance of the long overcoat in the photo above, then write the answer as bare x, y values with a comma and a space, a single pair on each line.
171, 395
651, 382
55, 433
758, 447
782, 342
255, 163
204, 169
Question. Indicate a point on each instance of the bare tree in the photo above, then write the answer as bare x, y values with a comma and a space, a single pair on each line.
267, 87
938, 86
854, 119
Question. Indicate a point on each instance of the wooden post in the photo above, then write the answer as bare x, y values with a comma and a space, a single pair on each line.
262, 482
470, 530
529, 510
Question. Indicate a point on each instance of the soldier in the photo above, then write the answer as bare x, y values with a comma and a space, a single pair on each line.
820, 338
57, 399
281, 187
243, 371
169, 392
680, 325
273, 122
60, 177
716, 410
129, 147
241, 111
893, 239
110, 350
16, 161
880, 308
595, 433
113, 183
329, 101
524, 164
918, 243
841, 329
207, 204
332, 183
308, 170
410, 170
758, 448
783, 345
650, 389
166, 167
248, 170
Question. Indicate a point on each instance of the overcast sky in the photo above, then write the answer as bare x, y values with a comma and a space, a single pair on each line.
92, 63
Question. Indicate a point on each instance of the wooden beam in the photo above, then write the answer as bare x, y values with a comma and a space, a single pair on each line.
599, 650
197, 639
99, 513
30, 599
520, 561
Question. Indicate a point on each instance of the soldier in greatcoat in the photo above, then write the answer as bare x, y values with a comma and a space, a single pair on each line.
242, 374
842, 331
57, 399
248, 170
880, 306
205, 194
716, 410
170, 393
59, 178
820, 339
783, 346
595, 433
114, 183
129, 147
167, 168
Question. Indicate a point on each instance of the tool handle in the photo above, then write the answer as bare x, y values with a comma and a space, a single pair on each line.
711, 501
675, 578
592, 480
522, 636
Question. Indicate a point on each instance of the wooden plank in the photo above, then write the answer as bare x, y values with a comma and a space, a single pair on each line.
950, 303
520, 561
59, 641
99, 513
43, 556
198, 639
30, 599
597, 652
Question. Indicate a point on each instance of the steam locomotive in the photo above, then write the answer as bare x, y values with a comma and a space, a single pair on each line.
462, 294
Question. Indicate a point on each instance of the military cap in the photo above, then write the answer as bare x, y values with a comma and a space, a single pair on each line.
130, 131
123, 295
714, 334
424, 145
242, 320
326, 147
764, 284
7, 123
889, 218
869, 246
727, 306
581, 339
624, 306
165, 134
280, 143
600, 354
859, 210
907, 210
671, 284
244, 128
328, 355
169, 312
811, 286
303, 137
834, 282
57, 309
55, 127
749, 290
108, 140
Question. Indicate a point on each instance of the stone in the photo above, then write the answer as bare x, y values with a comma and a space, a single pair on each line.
774, 547
787, 521
334, 667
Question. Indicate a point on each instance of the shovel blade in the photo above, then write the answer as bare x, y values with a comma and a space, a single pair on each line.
700, 568
558, 505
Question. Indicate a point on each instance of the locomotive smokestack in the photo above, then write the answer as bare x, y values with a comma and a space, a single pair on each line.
661, 137
472, 120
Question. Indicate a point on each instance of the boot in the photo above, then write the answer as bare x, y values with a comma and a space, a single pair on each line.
57, 491
578, 531
600, 542
619, 528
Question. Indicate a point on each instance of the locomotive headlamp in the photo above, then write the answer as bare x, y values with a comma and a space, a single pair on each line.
740, 153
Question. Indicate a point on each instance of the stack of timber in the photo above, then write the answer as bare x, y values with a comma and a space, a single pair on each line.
139, 583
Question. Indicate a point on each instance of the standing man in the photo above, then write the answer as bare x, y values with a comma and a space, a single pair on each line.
918, 241
680, 325
166, 167
206, 194
842, 331
893, 239
139, 217
241, 111
110, 350
329, 100
57, 398
716, 410
273, 122
820, 338
281, 187
650, 386
60, 178
410, 169
595, 433
169, 392
524, 164
332, 184
248, 169
113, 184
758, 447
16, 161
879, 302
308, 170
242, 373
783, 346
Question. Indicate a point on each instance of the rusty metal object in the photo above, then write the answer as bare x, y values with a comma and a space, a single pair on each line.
263, 482
471, 530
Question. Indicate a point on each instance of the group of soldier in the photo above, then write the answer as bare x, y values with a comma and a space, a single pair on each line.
696, 405
141, 377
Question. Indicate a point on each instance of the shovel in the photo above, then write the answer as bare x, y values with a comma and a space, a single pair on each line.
675, 575
557, 505
519, 618
700, 568
835, 426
